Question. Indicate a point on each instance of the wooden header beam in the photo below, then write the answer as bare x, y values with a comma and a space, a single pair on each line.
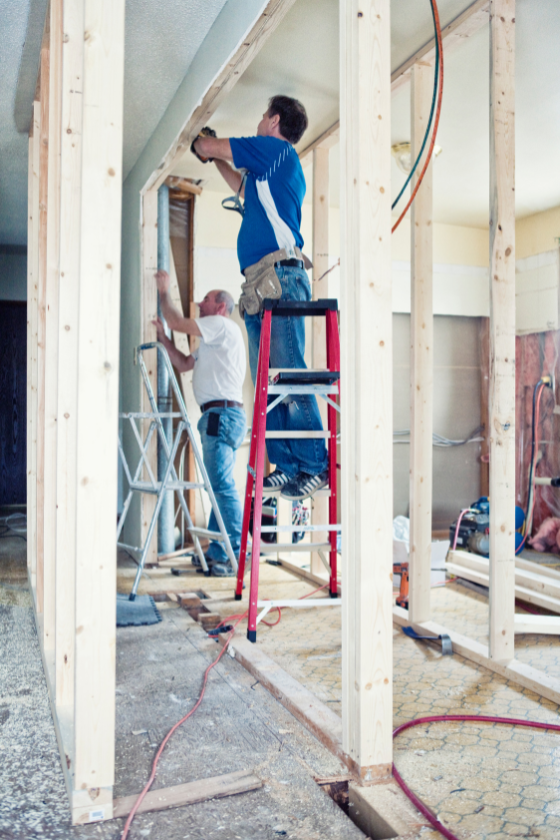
454, 34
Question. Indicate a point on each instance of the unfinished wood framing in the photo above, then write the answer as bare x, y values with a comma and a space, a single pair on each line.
32, 315
149, 312
74, 258
320, 289
421, 355
367, 403
502, 329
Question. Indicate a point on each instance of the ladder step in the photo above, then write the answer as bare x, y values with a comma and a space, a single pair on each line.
298, 529
306, 377
269, 494
296, 435
274, 548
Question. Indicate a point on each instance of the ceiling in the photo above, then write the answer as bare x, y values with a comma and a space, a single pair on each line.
301, 59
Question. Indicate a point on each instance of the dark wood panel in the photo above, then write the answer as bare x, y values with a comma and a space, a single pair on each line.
13, 399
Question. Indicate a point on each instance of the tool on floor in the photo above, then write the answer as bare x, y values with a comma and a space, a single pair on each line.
170, 481
446, 646
323, 383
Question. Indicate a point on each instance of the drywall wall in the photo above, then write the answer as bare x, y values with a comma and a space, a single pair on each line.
537, 234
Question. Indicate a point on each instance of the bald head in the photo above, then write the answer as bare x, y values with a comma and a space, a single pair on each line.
217, 302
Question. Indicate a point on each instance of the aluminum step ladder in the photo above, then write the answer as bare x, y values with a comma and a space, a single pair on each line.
170, 480
324, 384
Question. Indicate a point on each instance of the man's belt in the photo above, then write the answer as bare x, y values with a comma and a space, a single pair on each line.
291, 263
220, 404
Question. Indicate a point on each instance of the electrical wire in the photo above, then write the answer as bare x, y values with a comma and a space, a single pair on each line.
437, 25
440, 440
416, 801
430, 120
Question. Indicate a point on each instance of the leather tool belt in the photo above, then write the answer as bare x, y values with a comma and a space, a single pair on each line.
261, 280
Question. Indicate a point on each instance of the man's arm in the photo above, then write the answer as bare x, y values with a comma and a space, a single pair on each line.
214, 147
175, 320
179, 360
231, 176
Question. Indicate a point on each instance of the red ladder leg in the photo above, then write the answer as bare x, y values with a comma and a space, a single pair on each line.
261, 396
248, 492
333, 363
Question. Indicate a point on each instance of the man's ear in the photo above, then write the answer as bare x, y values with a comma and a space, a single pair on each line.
275, 120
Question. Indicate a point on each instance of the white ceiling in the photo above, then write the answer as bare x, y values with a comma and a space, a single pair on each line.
301, 59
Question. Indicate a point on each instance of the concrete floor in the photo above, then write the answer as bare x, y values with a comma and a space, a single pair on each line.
159, 671
483, 781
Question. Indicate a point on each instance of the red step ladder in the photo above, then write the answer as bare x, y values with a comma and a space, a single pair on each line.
320, 383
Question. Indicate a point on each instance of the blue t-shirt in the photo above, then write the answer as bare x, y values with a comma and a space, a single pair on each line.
274, 192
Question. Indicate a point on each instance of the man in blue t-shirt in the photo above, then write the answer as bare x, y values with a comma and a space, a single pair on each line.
274, 189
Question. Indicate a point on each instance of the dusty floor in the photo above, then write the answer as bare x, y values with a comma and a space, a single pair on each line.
483, 781
159, 671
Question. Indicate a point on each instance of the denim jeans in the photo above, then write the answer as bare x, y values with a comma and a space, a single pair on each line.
296, 413
218, 452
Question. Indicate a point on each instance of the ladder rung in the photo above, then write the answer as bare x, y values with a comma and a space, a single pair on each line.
148, 487
275, 548
204, 532
296, 435
302, 389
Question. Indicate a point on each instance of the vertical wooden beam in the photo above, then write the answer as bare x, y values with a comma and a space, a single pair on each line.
149, 312
31, 330
319, 505
32, 303
41, 329
367, 402
97, 410
502, 328
51, 325
421, 356
67, 409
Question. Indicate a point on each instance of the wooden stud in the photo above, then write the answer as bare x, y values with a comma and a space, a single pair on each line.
502, 329
149, 312
67, 409
421, 357
320, 289
367, 403
51, 324
97, 410
41, 329
32, 303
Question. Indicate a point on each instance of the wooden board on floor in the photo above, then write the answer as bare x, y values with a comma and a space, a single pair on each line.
174, 797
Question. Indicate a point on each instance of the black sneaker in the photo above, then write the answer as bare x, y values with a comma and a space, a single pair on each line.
276, 480
304, 485
195, 560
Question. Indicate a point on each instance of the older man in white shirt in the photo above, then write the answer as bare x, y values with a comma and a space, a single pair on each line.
218, 374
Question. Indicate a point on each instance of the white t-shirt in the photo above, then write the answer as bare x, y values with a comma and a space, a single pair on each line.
220, 363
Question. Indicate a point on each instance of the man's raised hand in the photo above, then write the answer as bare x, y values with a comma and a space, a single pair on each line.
162, 280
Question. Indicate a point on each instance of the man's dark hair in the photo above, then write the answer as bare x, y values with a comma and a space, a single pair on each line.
293, 118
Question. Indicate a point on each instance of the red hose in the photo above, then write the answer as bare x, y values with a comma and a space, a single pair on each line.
416, 801
436, 122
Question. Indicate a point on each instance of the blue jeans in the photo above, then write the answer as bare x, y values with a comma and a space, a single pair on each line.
297, 413
218, 452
